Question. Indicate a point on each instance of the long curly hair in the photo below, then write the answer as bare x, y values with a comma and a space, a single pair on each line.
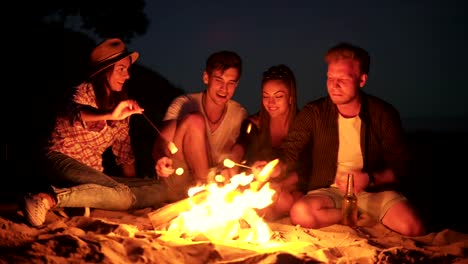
284, 74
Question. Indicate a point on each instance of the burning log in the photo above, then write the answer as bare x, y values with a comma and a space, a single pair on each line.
164, 215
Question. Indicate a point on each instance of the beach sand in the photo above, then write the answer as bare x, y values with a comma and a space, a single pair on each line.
129, 237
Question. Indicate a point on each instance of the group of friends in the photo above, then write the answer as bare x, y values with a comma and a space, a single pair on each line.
347, 131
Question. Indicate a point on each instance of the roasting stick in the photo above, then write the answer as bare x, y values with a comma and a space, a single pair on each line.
230, 164
262, 177
171, 145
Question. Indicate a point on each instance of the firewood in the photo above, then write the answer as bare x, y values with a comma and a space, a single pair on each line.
164, 215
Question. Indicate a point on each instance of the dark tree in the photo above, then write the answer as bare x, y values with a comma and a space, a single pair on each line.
105, 18
45, 59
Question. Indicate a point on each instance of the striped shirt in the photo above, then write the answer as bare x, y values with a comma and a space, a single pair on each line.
87, 141
316, 127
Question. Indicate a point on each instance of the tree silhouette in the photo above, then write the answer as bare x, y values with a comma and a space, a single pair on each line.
46, 59
105, 18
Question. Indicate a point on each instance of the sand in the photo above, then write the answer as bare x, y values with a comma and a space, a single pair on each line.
129, 237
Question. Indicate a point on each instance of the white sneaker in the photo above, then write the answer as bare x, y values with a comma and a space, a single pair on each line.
35, 208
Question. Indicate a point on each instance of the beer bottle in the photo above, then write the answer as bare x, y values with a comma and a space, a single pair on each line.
349, 205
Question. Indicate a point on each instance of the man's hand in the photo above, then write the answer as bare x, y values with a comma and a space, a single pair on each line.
361, 180
164, 167
258, 166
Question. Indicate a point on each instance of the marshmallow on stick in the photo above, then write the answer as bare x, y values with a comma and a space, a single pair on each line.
230, 164
172, 148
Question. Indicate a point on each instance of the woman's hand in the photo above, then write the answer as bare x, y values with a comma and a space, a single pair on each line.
164, 167
125, 109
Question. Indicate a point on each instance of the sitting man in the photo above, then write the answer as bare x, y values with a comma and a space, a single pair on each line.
350, 131
204, 126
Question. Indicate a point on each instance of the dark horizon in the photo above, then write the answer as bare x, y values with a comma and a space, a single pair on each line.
416, 47
435, 124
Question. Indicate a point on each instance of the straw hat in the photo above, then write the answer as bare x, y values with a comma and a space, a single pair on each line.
107, 53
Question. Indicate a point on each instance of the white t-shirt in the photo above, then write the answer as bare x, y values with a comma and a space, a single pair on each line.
224, 137
349, 151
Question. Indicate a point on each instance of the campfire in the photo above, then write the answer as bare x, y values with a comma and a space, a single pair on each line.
227, 213
221, 212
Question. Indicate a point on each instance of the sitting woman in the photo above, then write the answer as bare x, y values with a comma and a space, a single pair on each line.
98, 118
262, 132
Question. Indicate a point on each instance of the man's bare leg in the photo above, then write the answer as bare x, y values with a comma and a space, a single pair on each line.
402, 218
315, 212
190, 138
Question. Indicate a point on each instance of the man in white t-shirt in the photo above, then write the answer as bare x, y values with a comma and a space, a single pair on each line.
204, 127
350, 132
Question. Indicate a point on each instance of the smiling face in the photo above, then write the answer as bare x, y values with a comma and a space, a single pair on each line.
344, 80
119, 74
220, 86
276, 98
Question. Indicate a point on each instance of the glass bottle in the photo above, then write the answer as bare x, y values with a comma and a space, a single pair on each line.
349, 206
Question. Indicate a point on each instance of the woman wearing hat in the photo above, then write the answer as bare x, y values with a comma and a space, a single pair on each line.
98, 118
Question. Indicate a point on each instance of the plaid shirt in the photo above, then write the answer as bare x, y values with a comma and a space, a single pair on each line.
87, 141
383, 142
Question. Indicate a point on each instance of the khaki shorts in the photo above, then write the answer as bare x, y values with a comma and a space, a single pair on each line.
375, 204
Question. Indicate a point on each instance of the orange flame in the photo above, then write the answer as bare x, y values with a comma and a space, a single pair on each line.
228, 212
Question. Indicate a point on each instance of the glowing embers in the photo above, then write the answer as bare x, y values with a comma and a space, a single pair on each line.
228, 213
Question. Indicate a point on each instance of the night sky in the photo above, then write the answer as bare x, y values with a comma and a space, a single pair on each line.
418, 48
